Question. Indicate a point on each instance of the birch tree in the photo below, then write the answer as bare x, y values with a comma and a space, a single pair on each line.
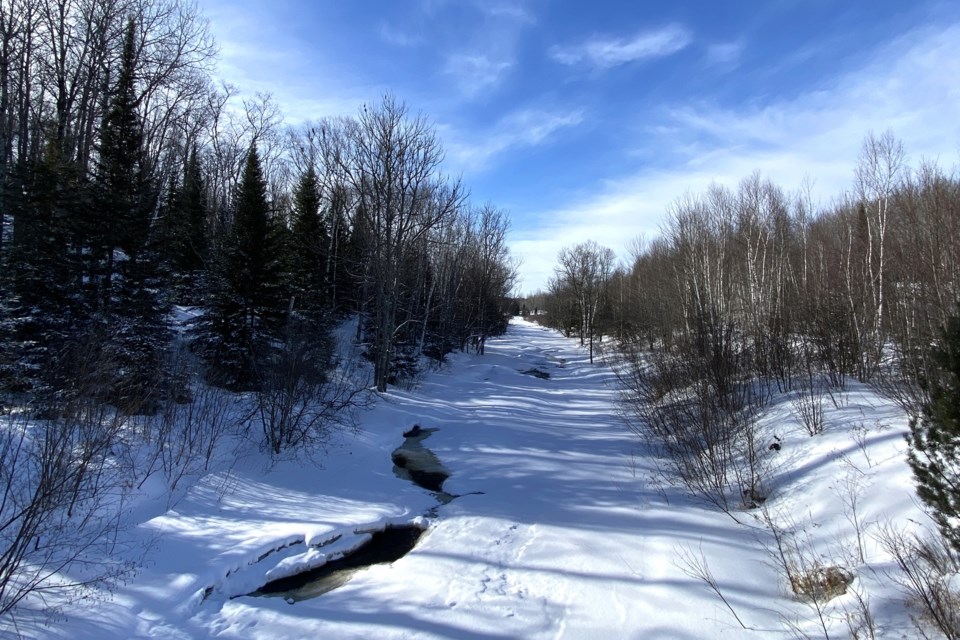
585, 270
878, 176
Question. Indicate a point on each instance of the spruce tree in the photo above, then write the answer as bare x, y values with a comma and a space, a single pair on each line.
193, 206
310, 244
41, 275
247, 300
253, 255
935, 436
131, 312
183, 237
121, 226
342, 275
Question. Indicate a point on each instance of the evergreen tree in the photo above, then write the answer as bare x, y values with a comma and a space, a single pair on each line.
119, 229
183, 239
935, 437
253, 255
341, 272
41, 281
247, 301
194, 211
310, 245
131, 312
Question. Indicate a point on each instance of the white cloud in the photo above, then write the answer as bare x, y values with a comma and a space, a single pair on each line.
258, 55
485, 52
909, 86
605, 53
523, 128
475, 73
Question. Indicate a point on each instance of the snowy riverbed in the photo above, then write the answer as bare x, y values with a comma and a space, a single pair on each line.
561, 530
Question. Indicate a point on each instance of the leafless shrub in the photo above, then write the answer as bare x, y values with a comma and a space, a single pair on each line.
61, 504
812, 580
182, 435
185, 434
808, 403
850, 493
695, 566
859, 432
707, 435
299, 410
929, 572
860, 621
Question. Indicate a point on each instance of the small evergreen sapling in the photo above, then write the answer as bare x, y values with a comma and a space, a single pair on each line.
935, 436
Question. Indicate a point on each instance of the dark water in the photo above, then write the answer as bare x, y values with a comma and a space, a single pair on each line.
385, 546
414, 462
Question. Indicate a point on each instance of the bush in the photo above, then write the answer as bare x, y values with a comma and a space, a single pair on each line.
935, 436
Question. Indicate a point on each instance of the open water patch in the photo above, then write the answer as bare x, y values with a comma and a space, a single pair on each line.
416, 463
537, 373
413, 462
388, 545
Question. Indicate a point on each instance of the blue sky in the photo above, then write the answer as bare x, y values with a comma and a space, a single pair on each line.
585, 120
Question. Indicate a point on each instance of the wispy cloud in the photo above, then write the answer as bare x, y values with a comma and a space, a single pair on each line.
604, 53
397, 37
908, 86
509, 10
481, 51
725, 55
475, 73
523, 128
257, 55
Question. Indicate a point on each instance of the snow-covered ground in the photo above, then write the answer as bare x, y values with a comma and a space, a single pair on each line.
560, 530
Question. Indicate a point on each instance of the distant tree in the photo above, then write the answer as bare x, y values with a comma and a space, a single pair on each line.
584, 271
879, 174
935, 437
343, 267
392, 163
182, 237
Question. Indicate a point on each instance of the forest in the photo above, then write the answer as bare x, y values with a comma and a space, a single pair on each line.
136, 190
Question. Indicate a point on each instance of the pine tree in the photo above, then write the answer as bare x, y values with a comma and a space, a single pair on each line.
183, 237
120, 227
935, 436
131, 312
310, 244
253, 255
247, 300
194, 211
41, 282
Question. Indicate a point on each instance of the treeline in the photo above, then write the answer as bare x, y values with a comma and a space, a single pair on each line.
752, 290
131, 182
855, 286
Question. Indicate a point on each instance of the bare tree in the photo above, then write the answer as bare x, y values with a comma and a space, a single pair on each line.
392, 163
586, 269
878, 175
